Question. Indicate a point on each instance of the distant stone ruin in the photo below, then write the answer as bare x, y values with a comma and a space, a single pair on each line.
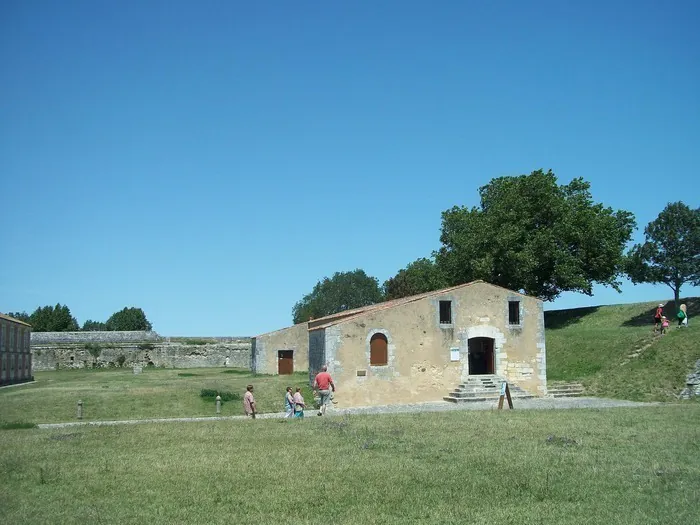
69, 350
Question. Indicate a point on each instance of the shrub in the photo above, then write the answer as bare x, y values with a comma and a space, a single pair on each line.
121, 360
146, 346
209, 394
186, 374
13, 425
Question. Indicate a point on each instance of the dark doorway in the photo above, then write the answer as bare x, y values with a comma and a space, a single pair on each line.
481, 358
285, 362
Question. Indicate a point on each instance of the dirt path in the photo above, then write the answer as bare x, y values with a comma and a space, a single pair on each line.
438, 406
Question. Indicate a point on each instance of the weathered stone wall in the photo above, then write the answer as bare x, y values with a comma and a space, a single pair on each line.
295, 338
48, 338
426, 357
52, 351
692, 383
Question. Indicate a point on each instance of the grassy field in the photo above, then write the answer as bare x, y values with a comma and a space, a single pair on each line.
622, 466
119, 394
592, 344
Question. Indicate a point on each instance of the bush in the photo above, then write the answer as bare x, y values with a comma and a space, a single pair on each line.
209, 394
121, 360
146, 346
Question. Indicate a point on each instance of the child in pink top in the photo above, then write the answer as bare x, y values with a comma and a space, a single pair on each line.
664, 324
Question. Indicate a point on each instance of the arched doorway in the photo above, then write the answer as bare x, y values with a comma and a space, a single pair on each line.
481, 356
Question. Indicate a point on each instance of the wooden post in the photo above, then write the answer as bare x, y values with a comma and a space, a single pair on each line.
218, 404
80, 409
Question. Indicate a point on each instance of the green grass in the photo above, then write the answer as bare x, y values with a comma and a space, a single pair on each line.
591, 345
110, 394
622, 466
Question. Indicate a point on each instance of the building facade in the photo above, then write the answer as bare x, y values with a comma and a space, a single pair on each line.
15, 352
417, 348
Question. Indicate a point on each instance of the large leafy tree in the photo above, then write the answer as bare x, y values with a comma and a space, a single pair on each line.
531, 234
671, 251
343, 291
420, 276
128, 319
53, 319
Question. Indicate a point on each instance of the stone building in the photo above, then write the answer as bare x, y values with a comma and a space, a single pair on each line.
15, 352
417, 348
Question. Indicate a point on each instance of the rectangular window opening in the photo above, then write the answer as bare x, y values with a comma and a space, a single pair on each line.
445, 312
514, 312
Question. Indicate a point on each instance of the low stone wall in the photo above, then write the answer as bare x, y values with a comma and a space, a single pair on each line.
48, 338
692, 383
72, 351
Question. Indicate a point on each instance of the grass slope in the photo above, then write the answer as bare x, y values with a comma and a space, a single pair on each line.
622, 466
592, 345
155, 393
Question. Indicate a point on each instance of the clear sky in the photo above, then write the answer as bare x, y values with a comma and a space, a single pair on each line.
210, 161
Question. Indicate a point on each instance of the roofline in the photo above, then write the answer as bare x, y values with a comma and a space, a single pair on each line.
13, 320
410, 299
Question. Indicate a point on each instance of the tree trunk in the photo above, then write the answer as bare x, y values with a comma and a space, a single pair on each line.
677, 296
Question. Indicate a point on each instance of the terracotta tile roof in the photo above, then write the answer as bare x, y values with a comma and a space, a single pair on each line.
13, 320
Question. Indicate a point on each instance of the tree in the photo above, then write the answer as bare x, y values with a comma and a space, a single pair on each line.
53, 319
343, 291
94, 326
671, 251
128, 319
420, 276
20, 316
533, 235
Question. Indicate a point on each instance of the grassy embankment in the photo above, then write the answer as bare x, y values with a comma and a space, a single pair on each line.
593, 345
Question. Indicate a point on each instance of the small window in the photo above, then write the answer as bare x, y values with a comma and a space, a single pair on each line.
513, 312
445, 312
378, 350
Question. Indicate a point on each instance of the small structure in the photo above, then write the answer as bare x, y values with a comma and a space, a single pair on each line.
417, 348
15, 352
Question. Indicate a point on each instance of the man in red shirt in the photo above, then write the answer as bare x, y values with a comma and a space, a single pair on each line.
324, 384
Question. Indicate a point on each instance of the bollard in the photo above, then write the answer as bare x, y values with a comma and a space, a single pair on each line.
80, 409
218, 404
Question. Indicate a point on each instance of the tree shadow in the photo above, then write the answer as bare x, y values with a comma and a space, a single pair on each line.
646, 318
555, 319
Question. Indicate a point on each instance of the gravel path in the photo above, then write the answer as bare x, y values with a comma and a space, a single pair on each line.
542, 403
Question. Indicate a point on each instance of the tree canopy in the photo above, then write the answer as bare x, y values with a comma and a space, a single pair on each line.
128, 319
20, 316
94, 326
533, 235
343, 291
671, 251
420, 276
53, 319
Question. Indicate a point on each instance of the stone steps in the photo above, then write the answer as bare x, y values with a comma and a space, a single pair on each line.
565, 390
483, 388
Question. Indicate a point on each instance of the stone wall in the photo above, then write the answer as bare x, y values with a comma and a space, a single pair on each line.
692, 383
53, 351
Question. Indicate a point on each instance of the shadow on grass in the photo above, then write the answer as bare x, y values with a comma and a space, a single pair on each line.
555, 319
646, 318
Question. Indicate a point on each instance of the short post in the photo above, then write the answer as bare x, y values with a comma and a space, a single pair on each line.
80, 409
218, 404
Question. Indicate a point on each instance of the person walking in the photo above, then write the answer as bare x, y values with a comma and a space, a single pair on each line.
299, 404
323, 382
288, 403
657, 317
249, 402
682, 316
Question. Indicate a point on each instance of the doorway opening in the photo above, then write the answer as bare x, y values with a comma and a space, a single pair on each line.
285, 362
481, 356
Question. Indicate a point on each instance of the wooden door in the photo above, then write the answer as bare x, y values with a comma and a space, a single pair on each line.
285, 362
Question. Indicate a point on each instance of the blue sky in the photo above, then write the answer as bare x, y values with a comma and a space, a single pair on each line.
210, 161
